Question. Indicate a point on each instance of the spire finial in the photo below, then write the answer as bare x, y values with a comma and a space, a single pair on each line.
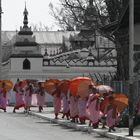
25, 13
25, 4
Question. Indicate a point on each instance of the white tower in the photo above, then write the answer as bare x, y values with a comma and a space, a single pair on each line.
26, 58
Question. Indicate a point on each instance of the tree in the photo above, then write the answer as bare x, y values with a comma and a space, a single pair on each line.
39, 27
115, 9
71, 15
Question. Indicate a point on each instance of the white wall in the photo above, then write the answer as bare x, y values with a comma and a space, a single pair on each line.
17, 64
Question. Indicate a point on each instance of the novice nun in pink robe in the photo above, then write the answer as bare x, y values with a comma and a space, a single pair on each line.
56, 101
19, 96
93, 109
112, 115
40, 97
74, 108
82, 109
66, 109
3, 98
28, 97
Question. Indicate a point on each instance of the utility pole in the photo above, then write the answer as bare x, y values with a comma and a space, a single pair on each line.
0, 44
131, 66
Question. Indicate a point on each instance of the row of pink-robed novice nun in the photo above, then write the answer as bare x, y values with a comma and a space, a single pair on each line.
3, 97
60, 98
77, 109
73, 107
83, 108
26, 101
94, 113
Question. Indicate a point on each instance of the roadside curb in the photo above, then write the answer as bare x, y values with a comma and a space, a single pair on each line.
81, 127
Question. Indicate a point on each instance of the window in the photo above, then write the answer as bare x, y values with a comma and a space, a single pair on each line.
26, 64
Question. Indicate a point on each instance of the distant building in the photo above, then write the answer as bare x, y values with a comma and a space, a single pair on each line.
55, 54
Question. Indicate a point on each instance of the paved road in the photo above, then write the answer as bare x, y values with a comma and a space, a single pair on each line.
20, 126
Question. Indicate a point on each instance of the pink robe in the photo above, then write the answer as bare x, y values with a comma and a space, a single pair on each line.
73, 107
82, 108
65, 103
110, 120
40, 99
34, 100
40, 96
92, 111
28, 99
57, 104
3, 100
19, 100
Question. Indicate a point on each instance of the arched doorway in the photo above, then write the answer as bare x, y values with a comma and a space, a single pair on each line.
26, 64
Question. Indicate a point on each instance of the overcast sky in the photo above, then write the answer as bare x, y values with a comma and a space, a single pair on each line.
12, 17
